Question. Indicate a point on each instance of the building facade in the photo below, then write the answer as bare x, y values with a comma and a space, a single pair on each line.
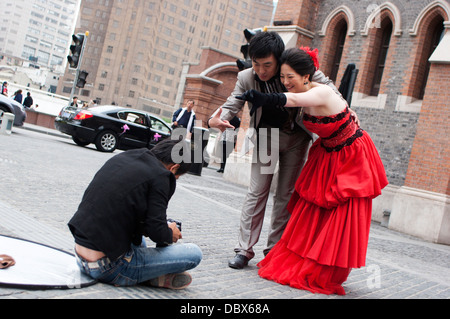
136, 49
38, 30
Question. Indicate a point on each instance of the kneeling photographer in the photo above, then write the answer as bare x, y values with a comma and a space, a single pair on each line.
125, 202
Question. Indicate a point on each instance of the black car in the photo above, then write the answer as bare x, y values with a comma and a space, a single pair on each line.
9, 105
110, 127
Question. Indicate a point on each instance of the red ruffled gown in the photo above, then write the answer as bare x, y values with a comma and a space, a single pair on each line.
331, 208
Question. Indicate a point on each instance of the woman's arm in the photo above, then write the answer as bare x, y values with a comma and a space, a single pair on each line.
317, 96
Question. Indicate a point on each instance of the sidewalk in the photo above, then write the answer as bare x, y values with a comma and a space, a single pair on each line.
398, 266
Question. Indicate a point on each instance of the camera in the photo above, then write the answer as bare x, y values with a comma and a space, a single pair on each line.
170, 221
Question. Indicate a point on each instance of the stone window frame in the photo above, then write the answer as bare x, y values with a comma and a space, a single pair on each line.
408, 100
339, 15
371, 31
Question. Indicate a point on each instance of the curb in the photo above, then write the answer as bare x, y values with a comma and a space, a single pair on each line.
43, 130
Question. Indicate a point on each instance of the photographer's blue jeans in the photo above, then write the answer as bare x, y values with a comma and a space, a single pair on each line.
142, 263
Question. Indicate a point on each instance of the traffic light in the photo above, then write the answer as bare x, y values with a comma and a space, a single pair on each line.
246, 63
249, 34
76, 50
243, 64
82, 79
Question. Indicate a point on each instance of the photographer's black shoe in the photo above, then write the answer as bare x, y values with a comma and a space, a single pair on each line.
238, 262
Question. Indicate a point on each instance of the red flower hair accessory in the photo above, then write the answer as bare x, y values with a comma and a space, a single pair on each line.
314, 54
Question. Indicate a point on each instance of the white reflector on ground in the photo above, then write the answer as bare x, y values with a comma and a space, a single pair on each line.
40, 267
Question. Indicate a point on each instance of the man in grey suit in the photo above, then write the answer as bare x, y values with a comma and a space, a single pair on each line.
277, 132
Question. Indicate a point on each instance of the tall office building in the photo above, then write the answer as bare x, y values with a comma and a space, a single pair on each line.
136, 49
38, 30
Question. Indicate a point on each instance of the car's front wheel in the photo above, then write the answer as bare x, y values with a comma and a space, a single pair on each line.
106, 141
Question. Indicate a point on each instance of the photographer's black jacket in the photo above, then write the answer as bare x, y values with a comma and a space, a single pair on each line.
127, 198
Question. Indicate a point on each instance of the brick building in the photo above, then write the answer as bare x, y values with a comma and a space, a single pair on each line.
402, 52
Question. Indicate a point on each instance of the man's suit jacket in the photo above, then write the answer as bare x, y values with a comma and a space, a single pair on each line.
246, 80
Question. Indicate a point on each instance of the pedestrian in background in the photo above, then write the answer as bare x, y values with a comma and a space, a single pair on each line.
184, 117
5, 88
28, 102
74, 101
18, 96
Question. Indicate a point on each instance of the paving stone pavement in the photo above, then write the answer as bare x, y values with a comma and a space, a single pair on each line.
40, 192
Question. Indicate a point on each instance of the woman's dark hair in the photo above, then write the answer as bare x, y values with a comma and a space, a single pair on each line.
299, 60
264, 44
171, 151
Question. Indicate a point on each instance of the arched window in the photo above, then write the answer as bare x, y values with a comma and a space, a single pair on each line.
339, 37
435, 36
337, 26
377, 55
426, 33
382, 48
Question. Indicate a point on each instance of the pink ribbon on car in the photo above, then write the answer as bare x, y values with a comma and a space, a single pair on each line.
124, 128
156, 137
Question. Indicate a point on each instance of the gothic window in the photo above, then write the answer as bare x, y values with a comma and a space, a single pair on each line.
382, 50
436, 34
341, 32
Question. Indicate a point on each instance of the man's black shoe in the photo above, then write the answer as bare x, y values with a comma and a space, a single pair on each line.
238, 262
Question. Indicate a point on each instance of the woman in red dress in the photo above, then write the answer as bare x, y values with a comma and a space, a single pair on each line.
331, 207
